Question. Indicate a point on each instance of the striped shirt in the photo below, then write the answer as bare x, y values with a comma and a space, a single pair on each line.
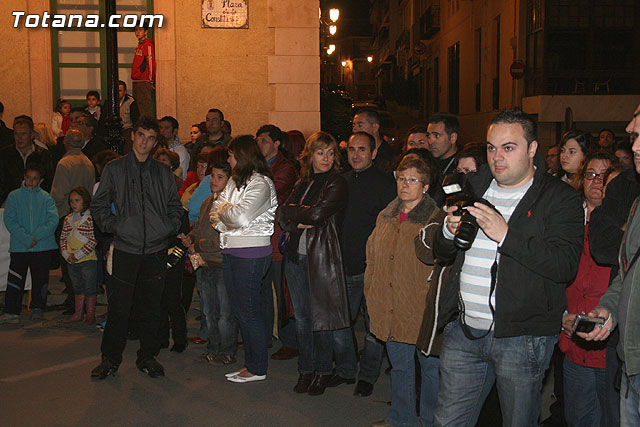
475, 276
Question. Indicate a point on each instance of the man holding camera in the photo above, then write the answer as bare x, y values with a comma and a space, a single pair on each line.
506, 294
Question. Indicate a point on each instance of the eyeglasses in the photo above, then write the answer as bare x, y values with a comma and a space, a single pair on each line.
402, 180
590, 176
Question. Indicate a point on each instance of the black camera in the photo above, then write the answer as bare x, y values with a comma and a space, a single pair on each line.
459, 193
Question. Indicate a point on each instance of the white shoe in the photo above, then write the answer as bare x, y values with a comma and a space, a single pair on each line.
7, 318
234, 373
239, 379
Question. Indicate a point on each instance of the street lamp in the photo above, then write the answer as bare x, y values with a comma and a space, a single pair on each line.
331, 49
333, 29
334, 14
344, 63
369, 58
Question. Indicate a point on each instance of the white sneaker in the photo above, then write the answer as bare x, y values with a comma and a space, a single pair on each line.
7, 318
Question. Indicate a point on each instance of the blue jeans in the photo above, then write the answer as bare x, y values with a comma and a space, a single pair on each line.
83, 277
403, 385
344, 344
221, 327
629, 399
314, 347
584, 394
468, 369
286, 333
612, 408
243, 277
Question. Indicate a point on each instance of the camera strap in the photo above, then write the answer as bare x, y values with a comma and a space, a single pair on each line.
463, 324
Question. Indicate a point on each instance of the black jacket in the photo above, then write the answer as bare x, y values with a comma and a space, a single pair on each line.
12, 169
370, 191
606, 221
538, 258
6, 136
146, 202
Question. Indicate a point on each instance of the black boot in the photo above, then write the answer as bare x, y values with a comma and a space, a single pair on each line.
104, 369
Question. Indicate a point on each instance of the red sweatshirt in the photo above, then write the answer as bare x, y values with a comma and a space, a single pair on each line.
143, 68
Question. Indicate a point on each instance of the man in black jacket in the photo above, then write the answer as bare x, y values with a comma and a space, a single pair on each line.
370, 191
147, 210
15, 157
6, 134
509, 286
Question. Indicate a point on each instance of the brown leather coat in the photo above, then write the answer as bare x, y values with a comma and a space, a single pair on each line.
324, 211
396, 282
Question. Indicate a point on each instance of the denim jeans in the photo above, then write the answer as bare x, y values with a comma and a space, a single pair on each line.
314, 347
243, 278
221, 327
468, 369
21, 262
584, 395
629, 399
344, 343
403, 385
612, 408
138, 281
83, 277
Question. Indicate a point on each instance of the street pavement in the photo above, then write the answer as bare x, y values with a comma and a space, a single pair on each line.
45, 380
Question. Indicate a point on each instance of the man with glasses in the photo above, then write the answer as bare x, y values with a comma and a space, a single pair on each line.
614, 235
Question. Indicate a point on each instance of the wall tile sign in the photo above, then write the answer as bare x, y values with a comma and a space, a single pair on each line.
225, 13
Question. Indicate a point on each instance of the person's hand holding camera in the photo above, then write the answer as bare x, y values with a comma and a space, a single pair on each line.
567, 323
599, 333
490, 220
453, 219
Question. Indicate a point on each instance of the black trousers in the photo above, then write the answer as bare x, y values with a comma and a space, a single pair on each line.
172, 313
137, 280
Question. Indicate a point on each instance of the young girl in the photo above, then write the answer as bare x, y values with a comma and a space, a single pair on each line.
60, 121
77, 244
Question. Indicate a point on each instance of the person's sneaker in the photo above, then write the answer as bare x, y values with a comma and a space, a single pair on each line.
104, 369
151, 367
36, 315
7, 318
222, 360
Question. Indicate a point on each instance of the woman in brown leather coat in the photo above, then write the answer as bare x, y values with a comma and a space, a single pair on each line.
312, 218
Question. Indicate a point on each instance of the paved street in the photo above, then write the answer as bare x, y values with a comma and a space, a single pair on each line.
44, 380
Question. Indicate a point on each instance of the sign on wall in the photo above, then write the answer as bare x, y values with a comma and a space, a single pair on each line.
225, 13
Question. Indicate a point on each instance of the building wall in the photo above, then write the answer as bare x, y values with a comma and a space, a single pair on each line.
14, 67
268, 73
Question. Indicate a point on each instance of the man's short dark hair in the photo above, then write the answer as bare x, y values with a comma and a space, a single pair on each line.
172, 120
274, 132
23, 120
120, 82
451, 123
371, 115
215, 110
517, 116
147, 123
93, 93
607, 130
417, 129
370, 138
35, 166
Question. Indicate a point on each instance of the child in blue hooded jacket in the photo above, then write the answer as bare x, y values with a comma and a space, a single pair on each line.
31, 217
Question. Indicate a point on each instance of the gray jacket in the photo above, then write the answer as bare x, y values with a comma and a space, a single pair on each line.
611, 298
146, 203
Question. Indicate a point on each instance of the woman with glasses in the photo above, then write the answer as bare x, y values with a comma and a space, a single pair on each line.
399, 288
585, 397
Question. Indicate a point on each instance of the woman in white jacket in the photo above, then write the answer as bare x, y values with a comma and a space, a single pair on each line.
244, 214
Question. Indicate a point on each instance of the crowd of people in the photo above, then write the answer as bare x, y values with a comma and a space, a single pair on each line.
479, 261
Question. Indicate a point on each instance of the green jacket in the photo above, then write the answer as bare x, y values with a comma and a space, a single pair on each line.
611, 298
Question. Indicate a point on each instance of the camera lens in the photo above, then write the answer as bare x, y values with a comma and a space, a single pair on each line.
467, 231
